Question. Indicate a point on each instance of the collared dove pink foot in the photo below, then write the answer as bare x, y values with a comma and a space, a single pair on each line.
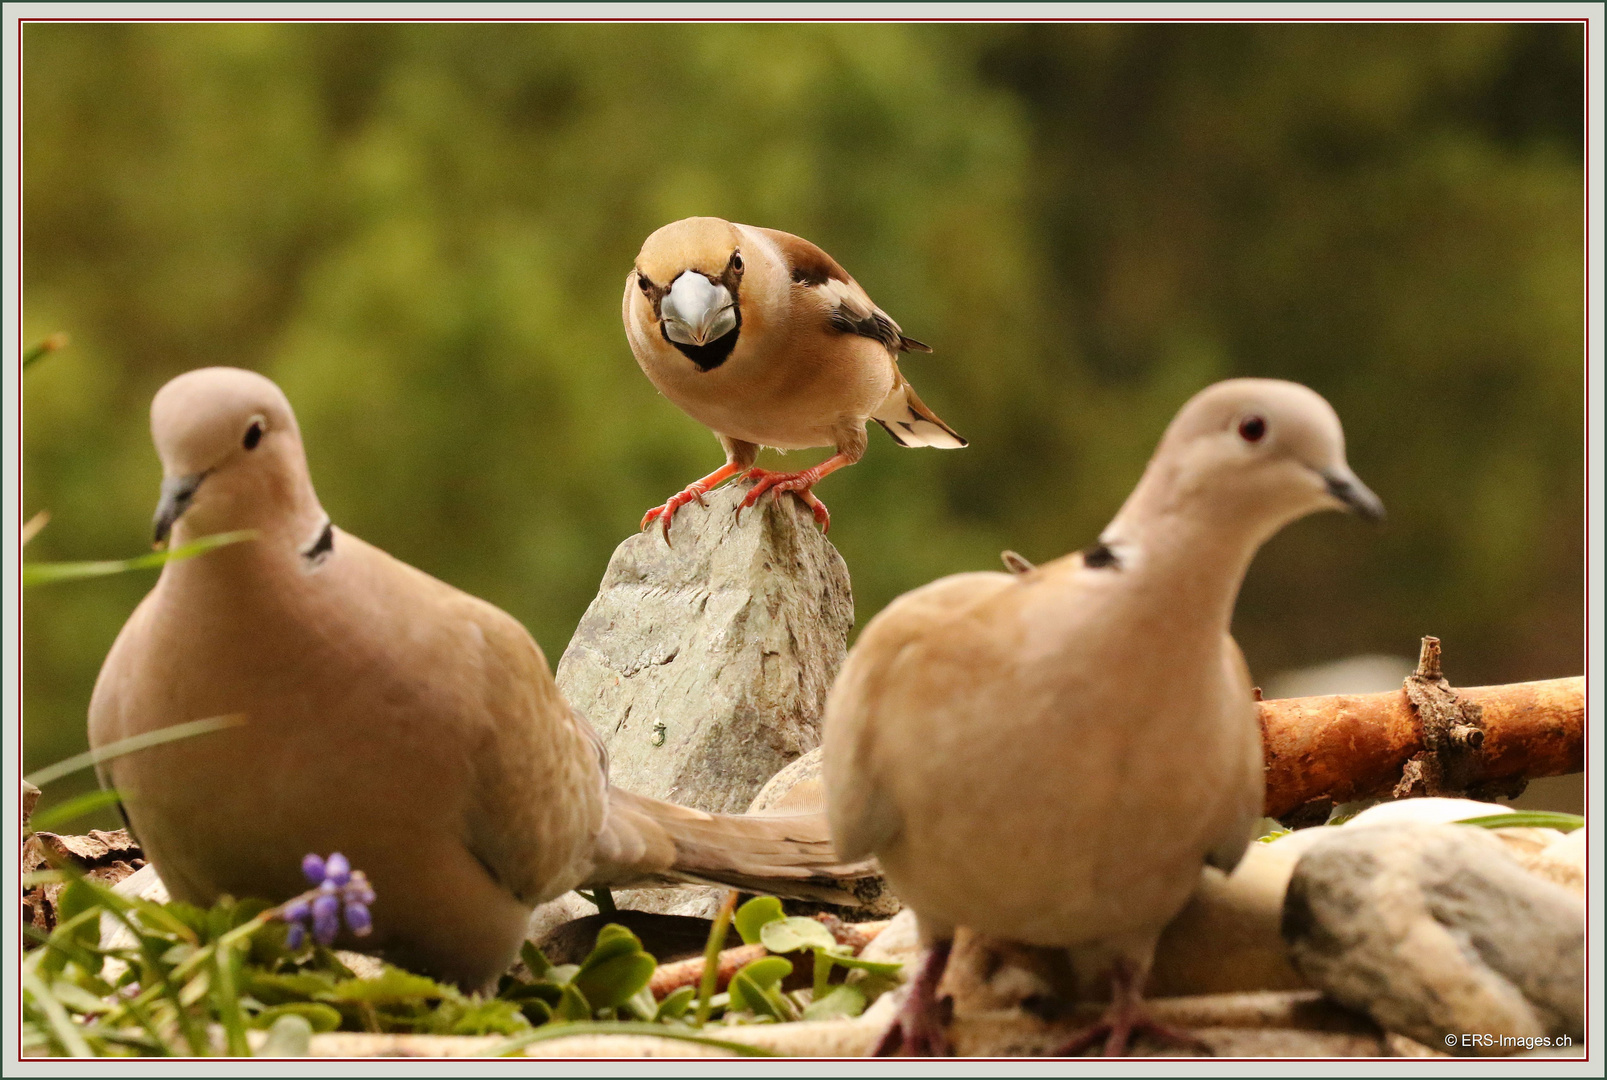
389, 716
1050, 756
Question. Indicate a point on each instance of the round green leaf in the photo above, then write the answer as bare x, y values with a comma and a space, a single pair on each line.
842, 1003
320, 1017
751, 917
614, 981
790, 934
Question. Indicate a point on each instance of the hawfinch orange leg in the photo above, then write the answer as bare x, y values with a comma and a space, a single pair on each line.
798, 483
692, 492
1125, 1018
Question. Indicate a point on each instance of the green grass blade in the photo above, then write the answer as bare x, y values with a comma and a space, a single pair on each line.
620, 1027
35, 353
711, 957
75, 807
43, 573
186, 730
61, 1025
227, 1001
1528, 819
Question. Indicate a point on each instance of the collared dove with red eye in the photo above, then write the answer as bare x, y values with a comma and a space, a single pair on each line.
764, 339
1050, 756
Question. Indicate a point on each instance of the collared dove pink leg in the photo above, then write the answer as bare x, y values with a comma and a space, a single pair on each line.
917, 1030
1126, 1018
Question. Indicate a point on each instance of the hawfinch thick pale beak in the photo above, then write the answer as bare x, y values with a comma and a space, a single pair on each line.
697, 311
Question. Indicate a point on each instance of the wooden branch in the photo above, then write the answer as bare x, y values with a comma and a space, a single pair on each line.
670, 977
1354, 746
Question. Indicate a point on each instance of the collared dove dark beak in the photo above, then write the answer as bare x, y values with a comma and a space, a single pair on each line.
177, 491
1356, 496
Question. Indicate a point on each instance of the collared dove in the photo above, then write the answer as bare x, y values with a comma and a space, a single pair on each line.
1050, 756
412, 727
760, 336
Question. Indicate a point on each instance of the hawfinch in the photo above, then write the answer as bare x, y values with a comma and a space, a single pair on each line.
763, 338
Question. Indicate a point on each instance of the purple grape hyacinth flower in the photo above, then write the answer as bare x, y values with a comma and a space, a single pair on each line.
337, 891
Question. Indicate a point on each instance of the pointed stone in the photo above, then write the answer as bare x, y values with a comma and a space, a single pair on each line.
704, 663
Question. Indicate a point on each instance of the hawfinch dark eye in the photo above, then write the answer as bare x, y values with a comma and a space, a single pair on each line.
253, 435
1252, 429
736, 261
643, 284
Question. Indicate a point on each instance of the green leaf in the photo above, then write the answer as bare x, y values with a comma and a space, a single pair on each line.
616, 969
290, 1036
56, 1021
535, 960
394, 986
77, 999
551, 993
751, 917
841, 954
186, 730
487, 1016
78, 899
612, 940
535, 1010
1528, 819
796, 932
753, 988
675, 1004
641, 1004
319, 1017
45, 573
277, 989
572, 1006
842, 1003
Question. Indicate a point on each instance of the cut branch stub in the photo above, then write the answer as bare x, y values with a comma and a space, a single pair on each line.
1353, 746
1453, 732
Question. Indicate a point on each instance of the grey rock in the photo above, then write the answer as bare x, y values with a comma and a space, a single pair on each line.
794, 790
704, 663
1437, 930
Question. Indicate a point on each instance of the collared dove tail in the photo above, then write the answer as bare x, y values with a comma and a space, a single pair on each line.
388, 716
1051, 756
646, 841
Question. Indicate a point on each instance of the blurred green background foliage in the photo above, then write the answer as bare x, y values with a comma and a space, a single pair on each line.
422, 232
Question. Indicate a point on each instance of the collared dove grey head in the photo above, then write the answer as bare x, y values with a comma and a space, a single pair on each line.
1252, 455
231, 456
